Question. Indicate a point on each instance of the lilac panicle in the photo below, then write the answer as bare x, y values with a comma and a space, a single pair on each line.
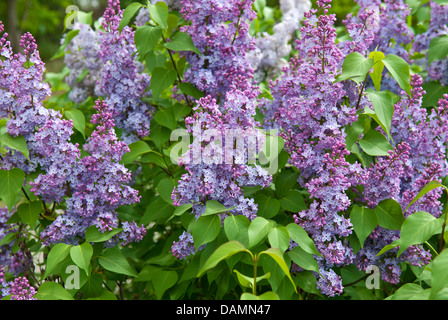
307, 106
220, 31
108, 57
22, 290
98, 187
268, 58
122, 82
215, 169
81, 56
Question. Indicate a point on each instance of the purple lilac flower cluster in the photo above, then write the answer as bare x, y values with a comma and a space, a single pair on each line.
438, 26
122, 82
216, 170
103, 63
20, 289
97, 187
307, 106
220, 30
418, 158
310, 109
93, 186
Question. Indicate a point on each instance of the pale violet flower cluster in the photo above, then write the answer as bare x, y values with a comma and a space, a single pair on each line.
81, 57
268, 57
103, 63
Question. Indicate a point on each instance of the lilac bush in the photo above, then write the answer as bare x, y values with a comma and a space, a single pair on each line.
307, 152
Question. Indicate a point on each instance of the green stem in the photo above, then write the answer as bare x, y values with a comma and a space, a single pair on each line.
254, 287
177, 71
430, 246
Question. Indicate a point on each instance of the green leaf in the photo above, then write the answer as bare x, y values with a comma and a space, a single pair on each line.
165, 189
439, 276
299, 236
159, 13
182, 209
270, 150
378, 68
237, 228
258, 230
128, 13
113, 260
68, 37
105, 295
56, 255
8, 238
418, 228
434, 92
206, 229
303, 259
390, 215
154, 60
79, 120
248, 282
279, 238
270, 295
355, 67
15, 143
95, 235
10, 186
190, 90
383, 105
407, 291
427, 188
166, 118
29, 212
388, 247
355, 129
268, 207
277, 255
85, 17
172, 22
157, 209
364, 220
81, 255
223, 252
259, 5
374, 143
293, 202
146, 39
214, 207
162, 280
136, 149
182, 42
306, 281
93, 286
52, 291
161, 79
399, 69
438, 48
284, 182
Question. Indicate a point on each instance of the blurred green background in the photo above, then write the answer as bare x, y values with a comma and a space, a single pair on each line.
45, 20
